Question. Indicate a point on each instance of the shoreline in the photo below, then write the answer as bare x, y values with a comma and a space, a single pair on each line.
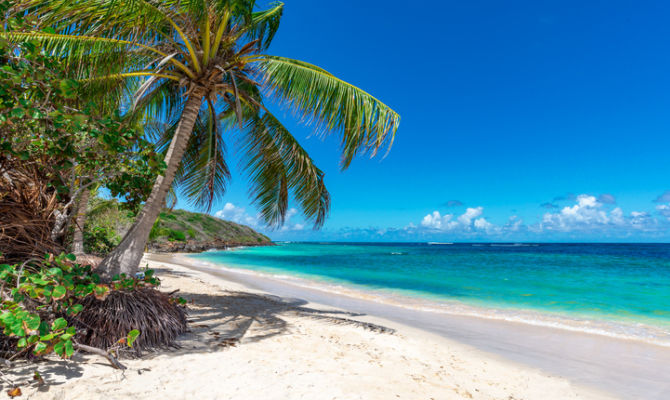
287, 347
621, 367
590, 324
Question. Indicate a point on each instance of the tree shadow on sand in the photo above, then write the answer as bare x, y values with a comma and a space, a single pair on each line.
215, 322
221, 320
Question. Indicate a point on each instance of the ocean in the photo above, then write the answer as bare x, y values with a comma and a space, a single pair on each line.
620, 290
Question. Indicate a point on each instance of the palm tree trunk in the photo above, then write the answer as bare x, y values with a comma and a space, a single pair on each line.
79, 221
126, 257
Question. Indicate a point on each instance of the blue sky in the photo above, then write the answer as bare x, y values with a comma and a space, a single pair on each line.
521, 120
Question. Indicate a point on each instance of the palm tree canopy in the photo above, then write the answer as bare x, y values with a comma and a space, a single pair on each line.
155, 53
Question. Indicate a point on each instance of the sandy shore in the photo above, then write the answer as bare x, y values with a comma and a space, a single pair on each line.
292, 349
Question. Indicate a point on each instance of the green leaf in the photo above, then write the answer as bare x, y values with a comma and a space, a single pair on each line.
59, 323
100, 291
71, 257
132, 336
58, 348
69, 349
58, 292
39, 347
75, 309
17, 329
7, 318
32, 322
44, 328
38, 280
21, 343
18, 112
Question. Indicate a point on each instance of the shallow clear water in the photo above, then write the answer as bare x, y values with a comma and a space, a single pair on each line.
627, 283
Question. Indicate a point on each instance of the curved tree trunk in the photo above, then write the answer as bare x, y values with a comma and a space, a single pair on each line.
126, 257
79, 221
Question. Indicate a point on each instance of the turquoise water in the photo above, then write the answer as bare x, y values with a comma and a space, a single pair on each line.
609, 282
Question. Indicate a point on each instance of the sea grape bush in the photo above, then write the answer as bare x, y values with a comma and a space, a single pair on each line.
44, 120
37, 302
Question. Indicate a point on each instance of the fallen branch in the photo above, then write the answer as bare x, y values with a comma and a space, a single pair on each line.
94, 350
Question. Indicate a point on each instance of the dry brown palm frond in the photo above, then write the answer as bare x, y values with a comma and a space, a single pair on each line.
104, 322
27, 208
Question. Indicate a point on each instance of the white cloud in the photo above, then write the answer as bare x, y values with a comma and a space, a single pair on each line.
586, 213
469, 215
288, 226
436, 221
482, 223
588, 217
514, 224
468, 221
590, 214
233, 213
617, 216
664, 210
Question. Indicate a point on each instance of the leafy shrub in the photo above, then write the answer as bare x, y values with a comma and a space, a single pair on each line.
42, 299
176, 235
164, 215
194, 217
100, 240
106, 222
191, 233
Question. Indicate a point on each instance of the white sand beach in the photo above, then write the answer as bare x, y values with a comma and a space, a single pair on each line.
291, 349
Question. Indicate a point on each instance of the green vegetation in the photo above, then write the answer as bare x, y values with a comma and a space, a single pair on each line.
55, 288
136, 97
192, 70
108, 221
56, 143
176, 225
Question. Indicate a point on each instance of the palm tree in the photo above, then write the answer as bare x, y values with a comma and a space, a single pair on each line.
201, 67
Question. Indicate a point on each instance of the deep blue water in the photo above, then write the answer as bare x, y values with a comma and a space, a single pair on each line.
613, 282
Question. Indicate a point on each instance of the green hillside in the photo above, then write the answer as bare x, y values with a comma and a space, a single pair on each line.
174, 231
177, 228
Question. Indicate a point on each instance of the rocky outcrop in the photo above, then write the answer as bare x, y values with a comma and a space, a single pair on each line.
194, 246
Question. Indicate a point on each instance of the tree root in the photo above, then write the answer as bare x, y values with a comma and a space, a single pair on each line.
94, 350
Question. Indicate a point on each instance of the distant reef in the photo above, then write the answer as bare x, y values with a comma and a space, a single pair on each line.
180, 231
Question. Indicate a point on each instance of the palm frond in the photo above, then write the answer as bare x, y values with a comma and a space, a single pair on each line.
366, 123
206, 173
203, 173
277, 165
263, 25
131, 19
102, 206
